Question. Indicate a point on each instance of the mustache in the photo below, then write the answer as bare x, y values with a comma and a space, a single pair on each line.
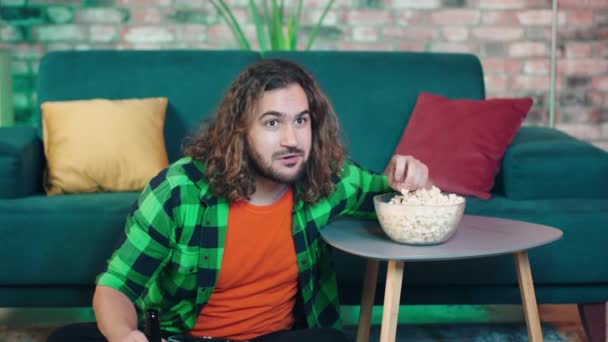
291, 150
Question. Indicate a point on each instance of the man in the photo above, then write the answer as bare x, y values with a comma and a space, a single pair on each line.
225, 242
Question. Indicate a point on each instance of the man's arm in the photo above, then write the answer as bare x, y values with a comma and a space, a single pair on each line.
360, 185
116, 315
135, 265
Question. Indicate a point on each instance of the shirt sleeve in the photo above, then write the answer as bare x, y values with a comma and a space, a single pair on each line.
361, 185
145, 247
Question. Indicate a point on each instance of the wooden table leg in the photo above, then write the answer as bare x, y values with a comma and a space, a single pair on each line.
367, 299
528, 298
392, 294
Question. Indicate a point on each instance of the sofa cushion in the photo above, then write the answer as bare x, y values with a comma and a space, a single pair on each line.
462, 141
583, 223
544, 163
60, 239
103, 145
193, 81
20, 162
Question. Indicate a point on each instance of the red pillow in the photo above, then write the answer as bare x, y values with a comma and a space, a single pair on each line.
462, 141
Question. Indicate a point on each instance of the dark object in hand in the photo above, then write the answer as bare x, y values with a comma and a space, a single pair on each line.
152, 327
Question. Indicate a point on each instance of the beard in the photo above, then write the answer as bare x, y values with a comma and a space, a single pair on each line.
257, 164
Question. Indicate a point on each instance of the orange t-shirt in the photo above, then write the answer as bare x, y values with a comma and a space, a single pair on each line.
256, 289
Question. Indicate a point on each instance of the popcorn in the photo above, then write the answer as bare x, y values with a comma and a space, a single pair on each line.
421, 216
426, 197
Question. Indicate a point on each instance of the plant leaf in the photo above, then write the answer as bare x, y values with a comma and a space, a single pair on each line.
268, 20
259, 27
295, 30
284, 30
277, 31
291, 34
221, 13
318, 26
229, 17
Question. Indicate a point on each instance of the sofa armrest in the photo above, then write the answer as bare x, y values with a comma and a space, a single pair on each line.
21, 161
544, 163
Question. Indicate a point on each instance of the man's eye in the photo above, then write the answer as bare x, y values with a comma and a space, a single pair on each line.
272, 123
301, 120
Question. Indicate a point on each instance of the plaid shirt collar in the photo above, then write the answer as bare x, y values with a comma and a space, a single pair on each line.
208, 198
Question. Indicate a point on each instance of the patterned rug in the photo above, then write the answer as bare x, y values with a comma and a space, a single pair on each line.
470, 333
418, 333
425, 323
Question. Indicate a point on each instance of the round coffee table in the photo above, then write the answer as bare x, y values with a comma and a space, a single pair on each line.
477, 236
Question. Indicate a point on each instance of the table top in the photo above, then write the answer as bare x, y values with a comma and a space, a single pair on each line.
476, 236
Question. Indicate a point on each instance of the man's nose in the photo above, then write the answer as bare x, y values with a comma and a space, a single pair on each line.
288, 136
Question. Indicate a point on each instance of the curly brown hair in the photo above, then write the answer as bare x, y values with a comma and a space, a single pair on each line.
221, 143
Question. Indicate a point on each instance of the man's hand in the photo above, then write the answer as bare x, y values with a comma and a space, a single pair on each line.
133, 336
136, 336
407, 172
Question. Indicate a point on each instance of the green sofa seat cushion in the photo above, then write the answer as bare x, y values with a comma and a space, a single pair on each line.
543, 163
579, 256
87, 228
20, 162
60, 240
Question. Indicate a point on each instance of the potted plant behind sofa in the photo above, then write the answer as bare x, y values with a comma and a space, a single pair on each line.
275, 29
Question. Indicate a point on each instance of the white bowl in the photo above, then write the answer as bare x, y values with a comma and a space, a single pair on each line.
418, 224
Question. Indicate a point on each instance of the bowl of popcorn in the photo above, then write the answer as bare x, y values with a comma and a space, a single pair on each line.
421, 217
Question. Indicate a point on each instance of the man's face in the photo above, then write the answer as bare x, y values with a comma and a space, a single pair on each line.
279, 137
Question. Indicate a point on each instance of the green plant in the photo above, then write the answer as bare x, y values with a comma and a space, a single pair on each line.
275, 29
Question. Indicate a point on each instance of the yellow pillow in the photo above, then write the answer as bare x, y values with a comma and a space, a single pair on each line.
103, 145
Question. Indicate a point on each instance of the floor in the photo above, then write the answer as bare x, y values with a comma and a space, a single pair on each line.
491, 323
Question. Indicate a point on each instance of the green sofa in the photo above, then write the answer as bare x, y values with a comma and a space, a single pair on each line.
53, 247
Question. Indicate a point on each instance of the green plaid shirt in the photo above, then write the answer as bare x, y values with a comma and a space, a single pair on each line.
174, 243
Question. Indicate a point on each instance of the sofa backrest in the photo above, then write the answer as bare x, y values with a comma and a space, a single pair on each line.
373, 92
193, 81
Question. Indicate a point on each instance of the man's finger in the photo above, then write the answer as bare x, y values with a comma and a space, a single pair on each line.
139, 336
410, 177
400, 169
425, 176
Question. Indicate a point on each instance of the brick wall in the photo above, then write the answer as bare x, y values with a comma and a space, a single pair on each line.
512, 37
